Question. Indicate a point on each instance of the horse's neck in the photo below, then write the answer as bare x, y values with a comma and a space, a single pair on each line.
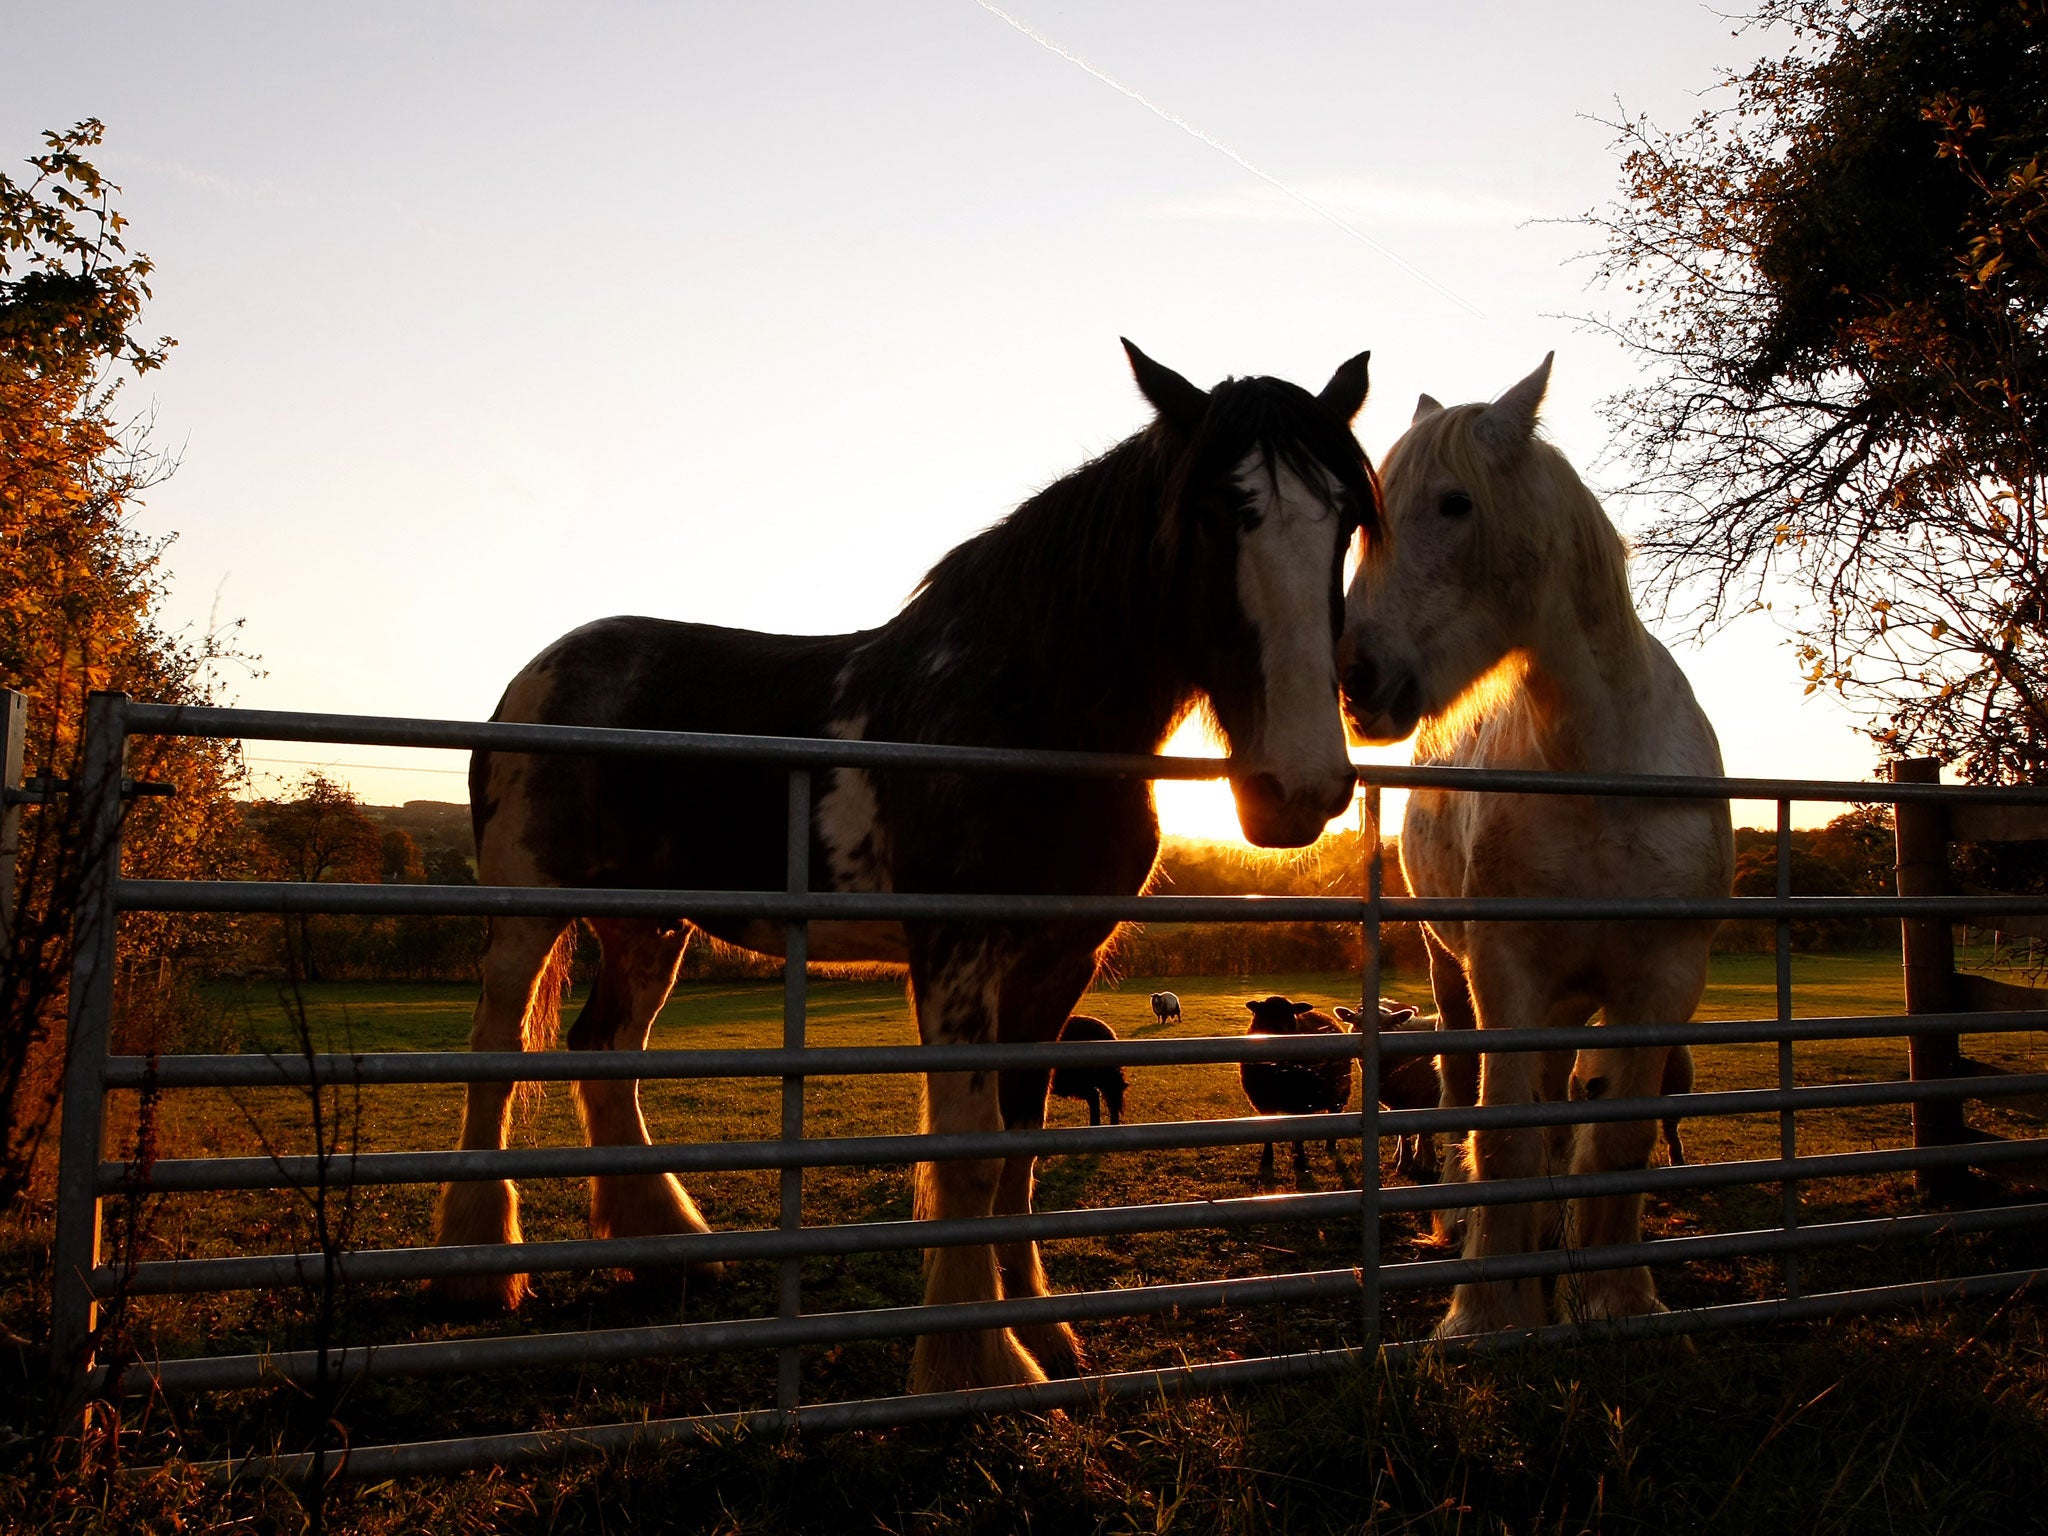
1589, 686
1089, 656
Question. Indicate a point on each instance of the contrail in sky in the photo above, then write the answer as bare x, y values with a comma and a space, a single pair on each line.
1225, 150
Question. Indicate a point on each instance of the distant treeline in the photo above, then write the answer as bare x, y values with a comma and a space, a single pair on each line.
323, 833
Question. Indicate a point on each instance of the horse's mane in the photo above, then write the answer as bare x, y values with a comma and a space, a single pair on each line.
1085, 568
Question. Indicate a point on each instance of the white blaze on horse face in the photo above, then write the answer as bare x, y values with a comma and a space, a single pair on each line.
1285, 567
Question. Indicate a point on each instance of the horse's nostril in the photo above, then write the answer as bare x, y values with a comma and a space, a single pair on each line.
1359, 681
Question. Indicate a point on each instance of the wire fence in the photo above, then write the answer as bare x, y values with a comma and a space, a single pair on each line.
85, 1274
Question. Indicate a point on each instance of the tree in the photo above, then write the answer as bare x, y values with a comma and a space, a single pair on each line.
320, 833
1842, 283
81, 589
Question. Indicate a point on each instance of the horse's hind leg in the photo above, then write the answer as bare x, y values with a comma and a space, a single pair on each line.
1457, 1079
517, 983
638, 970
1032, 995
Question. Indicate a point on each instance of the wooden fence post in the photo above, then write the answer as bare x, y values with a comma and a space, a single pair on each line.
1930, 961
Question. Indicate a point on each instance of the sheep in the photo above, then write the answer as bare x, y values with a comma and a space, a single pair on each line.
1166, 1007
1097, 1087
1407, 1082
1296, 1088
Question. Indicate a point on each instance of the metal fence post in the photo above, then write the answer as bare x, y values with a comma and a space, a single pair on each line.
1929, 951
796, 950
97, 805
1788, 1125
1369, 1070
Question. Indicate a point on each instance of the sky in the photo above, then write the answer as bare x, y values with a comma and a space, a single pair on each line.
496, 318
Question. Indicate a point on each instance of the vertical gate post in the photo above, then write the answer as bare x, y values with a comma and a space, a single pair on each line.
1788, 1123
13, 749
1928, 945
1369, 1068
97, 805
795, 965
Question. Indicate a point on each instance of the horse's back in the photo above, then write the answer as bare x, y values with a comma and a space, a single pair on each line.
569, 819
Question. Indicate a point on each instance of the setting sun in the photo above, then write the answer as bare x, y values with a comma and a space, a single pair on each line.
1203, 808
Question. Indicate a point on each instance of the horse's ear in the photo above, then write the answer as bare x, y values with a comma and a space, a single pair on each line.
1344, 395
1301, 1008
1425, 405
1253, 1006
1511, 419
1177, 401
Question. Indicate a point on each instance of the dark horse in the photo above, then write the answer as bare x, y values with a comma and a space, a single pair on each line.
1201, 557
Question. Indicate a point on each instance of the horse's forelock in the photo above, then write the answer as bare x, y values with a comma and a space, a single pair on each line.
1545, 505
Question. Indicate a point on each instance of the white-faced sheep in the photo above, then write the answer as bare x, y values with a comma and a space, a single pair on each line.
1166, 1007
1406, 1082
1098, 1087
1296, 1087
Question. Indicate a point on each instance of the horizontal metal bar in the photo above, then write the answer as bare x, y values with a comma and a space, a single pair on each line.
596, 1346
184, 1175
599, 1346
430, 1456
373, 1266
385, 730
1664, 1252
1698, 1106
1551, 1188
279, 1071
261, 1070
1703, 1032
294, 896
585, 740
260, 1271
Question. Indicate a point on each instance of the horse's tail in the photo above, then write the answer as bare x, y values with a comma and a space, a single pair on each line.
542, 1024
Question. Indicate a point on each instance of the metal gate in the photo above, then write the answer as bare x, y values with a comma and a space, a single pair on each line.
1940, 1083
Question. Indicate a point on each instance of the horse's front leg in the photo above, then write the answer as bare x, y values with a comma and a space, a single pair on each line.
633, 981
956, 981
1501, 991
1611, 1219
516, 970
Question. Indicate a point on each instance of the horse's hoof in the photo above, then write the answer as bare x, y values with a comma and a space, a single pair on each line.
1055, 1347
1608, 1296
949, 1362
481, 1293
1492, 1308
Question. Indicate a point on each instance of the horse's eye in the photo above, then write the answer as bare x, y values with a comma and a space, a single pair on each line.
1454, 504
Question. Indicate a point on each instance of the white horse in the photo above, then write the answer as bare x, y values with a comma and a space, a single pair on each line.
1496, 614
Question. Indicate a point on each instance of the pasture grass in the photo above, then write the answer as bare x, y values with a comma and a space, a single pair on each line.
1930, 1416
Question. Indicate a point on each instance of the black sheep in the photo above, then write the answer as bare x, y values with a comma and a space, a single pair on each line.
1296, 1087
1094, 1086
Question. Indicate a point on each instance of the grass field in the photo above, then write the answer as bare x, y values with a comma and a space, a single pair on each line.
377, 1017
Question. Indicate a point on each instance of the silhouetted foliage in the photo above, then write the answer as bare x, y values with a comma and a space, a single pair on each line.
1843, 309
81, 592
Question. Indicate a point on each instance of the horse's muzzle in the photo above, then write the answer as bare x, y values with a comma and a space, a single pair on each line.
1379, 707
1273, 818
